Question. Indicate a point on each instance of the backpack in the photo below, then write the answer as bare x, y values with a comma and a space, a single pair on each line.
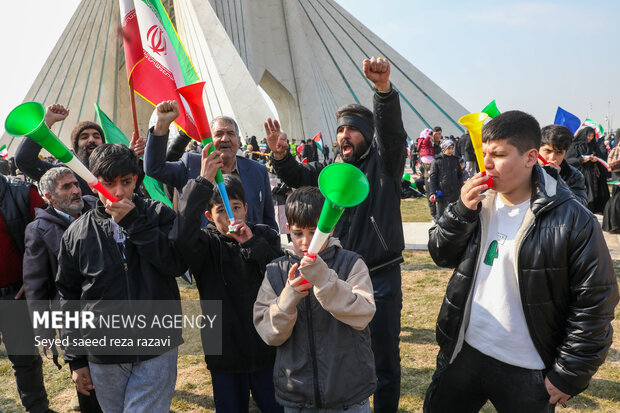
613, 159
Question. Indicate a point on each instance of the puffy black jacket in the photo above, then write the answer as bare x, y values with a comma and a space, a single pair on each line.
374, 228
574, 180
446, 175
92, 267
565, 273
228, 271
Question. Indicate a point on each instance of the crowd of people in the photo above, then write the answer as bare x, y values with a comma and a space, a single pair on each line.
306, 333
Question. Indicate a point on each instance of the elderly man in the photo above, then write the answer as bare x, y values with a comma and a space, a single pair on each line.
65, 204
374, 228
226, 140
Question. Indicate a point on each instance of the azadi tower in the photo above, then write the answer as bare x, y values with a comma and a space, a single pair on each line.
305, 54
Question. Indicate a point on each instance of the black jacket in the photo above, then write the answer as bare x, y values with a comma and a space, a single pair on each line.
466, 148
374, 228
92, 267
446, 175
43, 236
15, 208
574, 180
228, 271
566, 277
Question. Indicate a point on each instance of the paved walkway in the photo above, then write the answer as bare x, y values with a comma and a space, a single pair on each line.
416, 237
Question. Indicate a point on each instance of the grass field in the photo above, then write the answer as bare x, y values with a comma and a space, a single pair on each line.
423, 288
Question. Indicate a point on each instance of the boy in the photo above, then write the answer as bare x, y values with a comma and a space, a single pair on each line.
556, 140
526, 320
446, 176
121, 251
229, 267
324, 359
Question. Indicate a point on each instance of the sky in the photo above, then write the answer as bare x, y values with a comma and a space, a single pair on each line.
531, 56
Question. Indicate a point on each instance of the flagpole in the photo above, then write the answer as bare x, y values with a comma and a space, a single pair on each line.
133, 110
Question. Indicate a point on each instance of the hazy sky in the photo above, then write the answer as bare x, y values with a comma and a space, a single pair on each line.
531, 56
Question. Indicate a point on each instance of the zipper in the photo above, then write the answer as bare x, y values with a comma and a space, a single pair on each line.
315, 369
374, 224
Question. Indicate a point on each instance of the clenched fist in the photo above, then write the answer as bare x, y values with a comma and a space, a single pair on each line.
166, 112
377, 70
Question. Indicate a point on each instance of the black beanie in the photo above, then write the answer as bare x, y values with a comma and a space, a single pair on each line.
79, 128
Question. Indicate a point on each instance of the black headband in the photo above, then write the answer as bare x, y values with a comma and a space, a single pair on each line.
364, 126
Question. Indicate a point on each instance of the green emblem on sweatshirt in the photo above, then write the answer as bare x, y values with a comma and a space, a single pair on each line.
491, 254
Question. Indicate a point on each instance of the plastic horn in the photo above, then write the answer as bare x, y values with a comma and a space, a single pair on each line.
407, 178
491, 109
28, 119
343, 186
193, 95
473, 122
543, 160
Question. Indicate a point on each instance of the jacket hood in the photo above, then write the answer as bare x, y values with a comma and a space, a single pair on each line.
548, 190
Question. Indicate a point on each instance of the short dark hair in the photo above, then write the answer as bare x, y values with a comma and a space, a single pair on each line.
437, 129
520, 129
556, 136
113, 160
234, 189
358, 110
303, 207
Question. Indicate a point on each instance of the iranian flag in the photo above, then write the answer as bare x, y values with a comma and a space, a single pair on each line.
598, 128
318, 139
4, 152
156, 61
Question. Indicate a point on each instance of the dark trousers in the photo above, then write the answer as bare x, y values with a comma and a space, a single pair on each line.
473, 378
25, 361
426, 167
441, 207
89, 404
231, 391
385, 331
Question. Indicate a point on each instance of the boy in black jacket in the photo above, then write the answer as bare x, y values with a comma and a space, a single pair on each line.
120, 251
446, 178
556, 140
229, 267
526, 319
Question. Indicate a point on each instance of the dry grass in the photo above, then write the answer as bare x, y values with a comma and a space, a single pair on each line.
415, 210
423, 288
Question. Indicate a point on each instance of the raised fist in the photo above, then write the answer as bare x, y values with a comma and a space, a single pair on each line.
55, 113
377, 70
166, 112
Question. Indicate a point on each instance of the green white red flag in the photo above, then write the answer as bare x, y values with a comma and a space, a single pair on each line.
155, 58
598, 128
4, 152
318, 139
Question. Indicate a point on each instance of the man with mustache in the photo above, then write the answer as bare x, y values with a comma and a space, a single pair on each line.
226, 139
375, 142
64, 205
85, 137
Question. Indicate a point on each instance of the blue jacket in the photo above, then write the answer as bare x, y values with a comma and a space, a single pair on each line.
253, 175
